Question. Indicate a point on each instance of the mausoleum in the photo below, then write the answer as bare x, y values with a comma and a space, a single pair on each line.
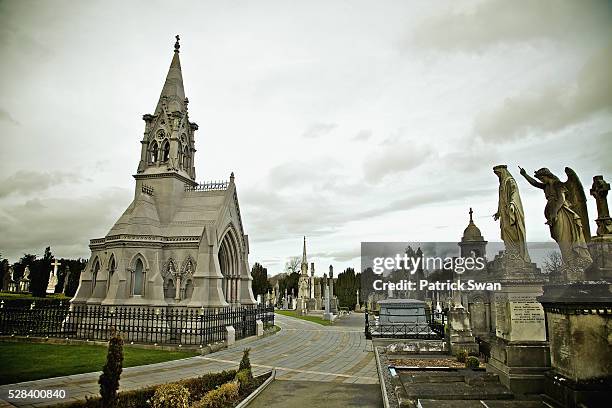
179, 243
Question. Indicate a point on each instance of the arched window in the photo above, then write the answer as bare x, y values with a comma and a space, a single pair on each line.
169, 289
111, 270
180, 154
186, 159
188, 289
138, 277
154, 153
94, 276
166, 151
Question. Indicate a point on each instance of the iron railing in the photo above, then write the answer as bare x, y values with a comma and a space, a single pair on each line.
137, 324
209, 186
428, 326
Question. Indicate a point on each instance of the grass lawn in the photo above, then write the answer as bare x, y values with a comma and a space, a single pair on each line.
314, 319
32, 361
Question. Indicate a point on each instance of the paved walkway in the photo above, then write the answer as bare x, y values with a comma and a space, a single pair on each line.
301, 351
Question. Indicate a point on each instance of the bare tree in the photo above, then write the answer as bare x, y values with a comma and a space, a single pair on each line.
552, 266
293, 265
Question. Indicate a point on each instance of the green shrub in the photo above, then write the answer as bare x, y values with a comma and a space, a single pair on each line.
171, 395
109, 379
461, 356
244, 379
198, 387
245, 363
219, 398
472, 362
140, 398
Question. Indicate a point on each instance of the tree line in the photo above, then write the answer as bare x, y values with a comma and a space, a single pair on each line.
40, 272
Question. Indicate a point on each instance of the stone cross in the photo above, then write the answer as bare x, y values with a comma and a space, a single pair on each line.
53, 277
55, 264
599, 190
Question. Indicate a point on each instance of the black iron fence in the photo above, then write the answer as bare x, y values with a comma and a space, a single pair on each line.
427, 326
137, 324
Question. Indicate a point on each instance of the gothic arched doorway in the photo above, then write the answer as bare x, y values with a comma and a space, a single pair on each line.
229, 261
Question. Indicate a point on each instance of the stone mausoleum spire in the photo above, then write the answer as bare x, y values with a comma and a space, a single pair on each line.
304, 265
168, 144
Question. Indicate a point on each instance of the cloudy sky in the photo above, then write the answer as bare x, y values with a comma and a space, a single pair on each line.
344, 121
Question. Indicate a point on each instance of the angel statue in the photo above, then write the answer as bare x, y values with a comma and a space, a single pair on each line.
511, 215
567, 217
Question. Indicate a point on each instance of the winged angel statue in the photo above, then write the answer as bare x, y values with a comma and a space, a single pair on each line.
566, 216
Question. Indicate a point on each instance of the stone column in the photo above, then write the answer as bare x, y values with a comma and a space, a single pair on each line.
327, 315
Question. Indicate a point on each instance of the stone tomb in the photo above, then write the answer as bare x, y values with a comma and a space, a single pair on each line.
403, 311
519, 352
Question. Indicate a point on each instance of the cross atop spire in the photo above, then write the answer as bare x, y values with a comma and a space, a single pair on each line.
471, 212
173, 93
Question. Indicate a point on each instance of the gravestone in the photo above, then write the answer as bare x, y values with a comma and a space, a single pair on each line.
12, 284
24, 282
519, 352
66, 279
53, 277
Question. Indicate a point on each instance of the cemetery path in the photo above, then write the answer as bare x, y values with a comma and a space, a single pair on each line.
301, 351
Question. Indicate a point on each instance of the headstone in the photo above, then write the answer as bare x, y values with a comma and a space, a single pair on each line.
460, 331
519, 351
24, 282
53, 277
230, 336
66, 279
12, 284
259, 331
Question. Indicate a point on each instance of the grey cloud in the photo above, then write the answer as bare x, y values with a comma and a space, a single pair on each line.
554, 107
393, 158
271, 215
363, 134
6, 117
316, 171
317, 130
491, 23
339, 256
418, 199
25, 182
65, 224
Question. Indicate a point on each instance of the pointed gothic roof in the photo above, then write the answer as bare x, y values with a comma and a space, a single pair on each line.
173, 92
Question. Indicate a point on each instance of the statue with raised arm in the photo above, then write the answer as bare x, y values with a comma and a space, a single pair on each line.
567, 217
511, 215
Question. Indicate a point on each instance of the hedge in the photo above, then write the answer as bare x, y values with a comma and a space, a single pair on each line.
140, 398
